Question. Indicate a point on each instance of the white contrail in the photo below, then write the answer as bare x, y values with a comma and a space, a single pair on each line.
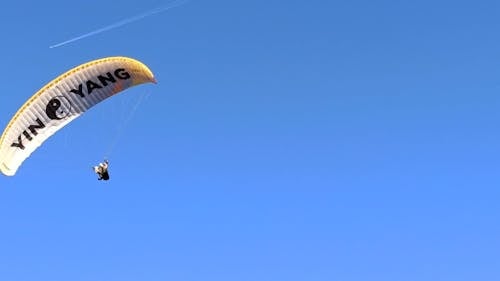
174, 4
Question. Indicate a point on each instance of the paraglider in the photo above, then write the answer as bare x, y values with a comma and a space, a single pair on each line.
62, 100
102, 170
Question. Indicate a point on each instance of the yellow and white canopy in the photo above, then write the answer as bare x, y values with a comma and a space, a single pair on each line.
64, 99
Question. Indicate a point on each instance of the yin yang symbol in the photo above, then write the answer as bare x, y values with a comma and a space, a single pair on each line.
58, 108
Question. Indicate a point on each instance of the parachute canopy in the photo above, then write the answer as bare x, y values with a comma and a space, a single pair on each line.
64, 99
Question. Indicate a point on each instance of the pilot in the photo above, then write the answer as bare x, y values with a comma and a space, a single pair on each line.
102, 170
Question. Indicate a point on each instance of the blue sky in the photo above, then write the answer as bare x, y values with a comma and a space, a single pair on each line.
285, 140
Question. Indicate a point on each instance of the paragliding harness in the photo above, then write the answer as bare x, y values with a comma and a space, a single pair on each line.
102, 170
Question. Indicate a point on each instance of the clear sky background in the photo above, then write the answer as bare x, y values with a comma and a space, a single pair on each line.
285, 140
